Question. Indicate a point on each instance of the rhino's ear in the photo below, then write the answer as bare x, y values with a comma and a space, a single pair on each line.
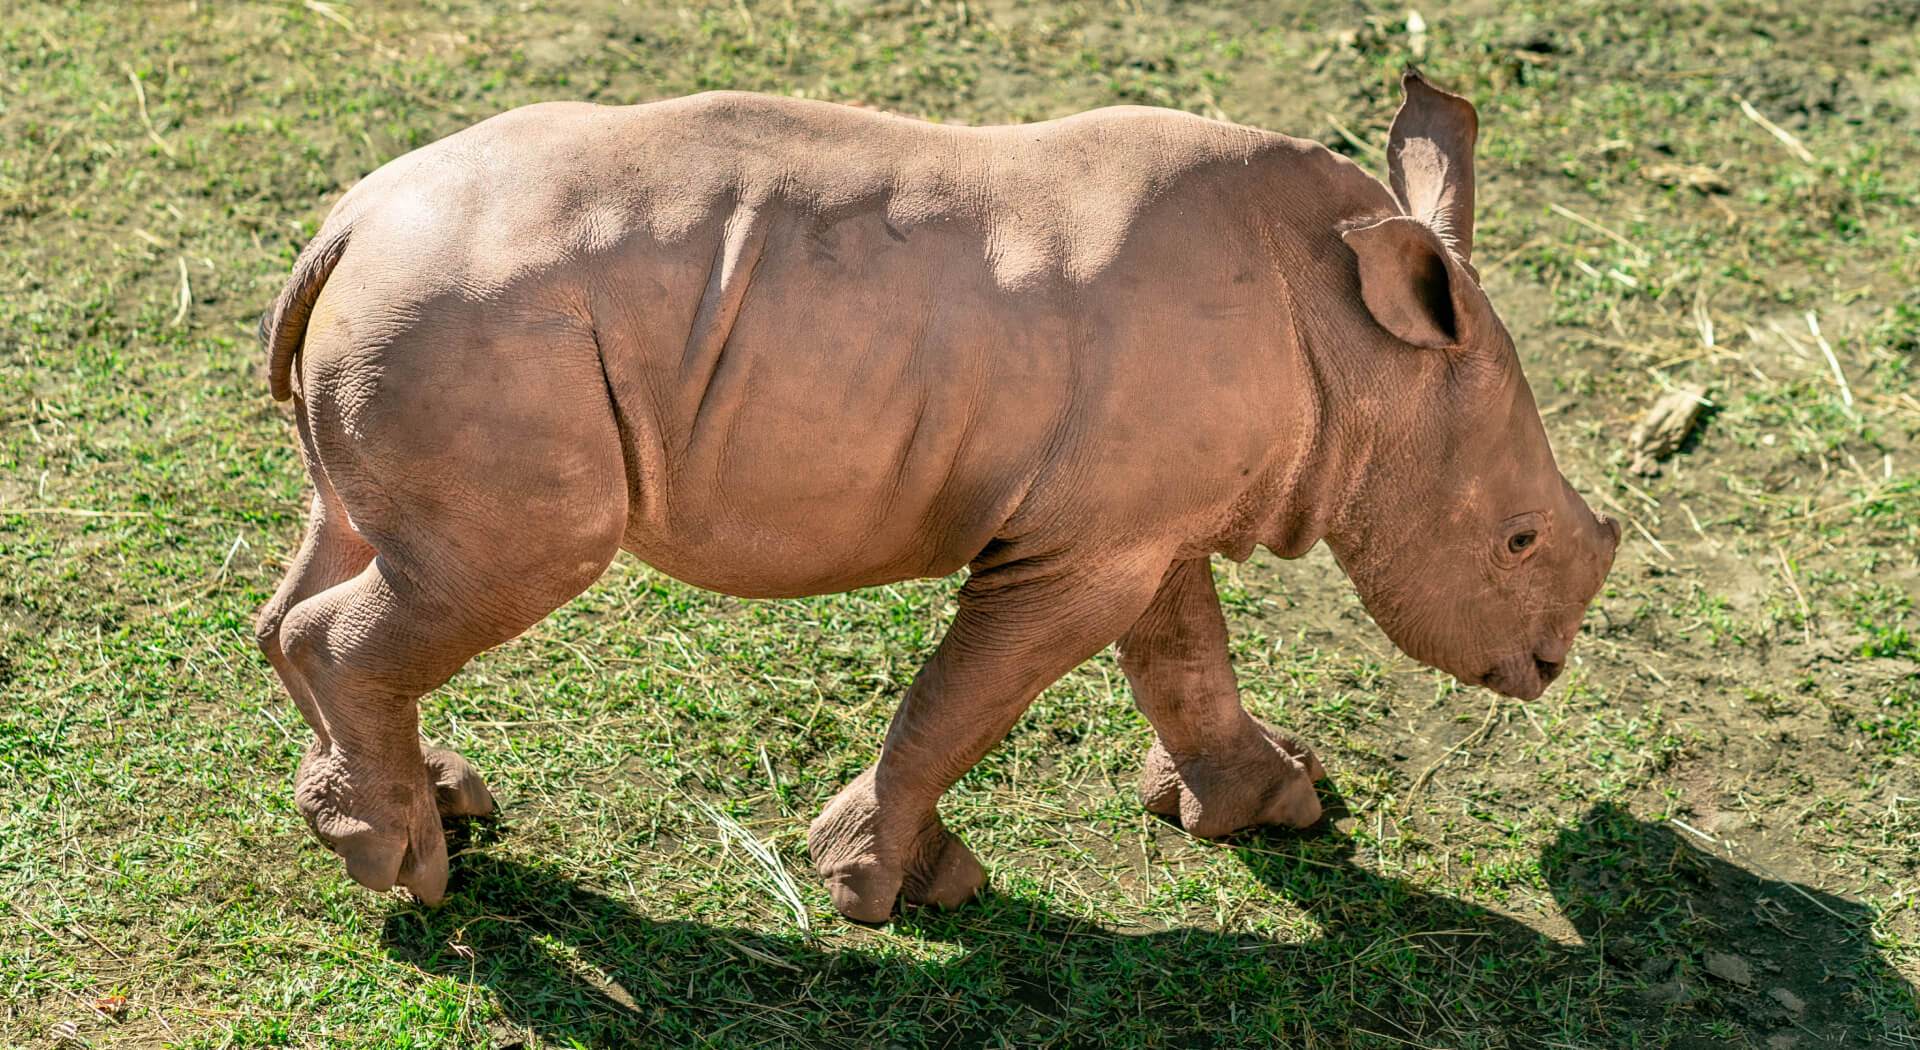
1430, 159
1413, 285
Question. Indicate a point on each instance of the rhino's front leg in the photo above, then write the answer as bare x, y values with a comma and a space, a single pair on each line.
1020, 626
1214, 766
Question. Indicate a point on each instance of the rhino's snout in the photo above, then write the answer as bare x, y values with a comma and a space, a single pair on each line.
1526, 677
1547, 670
1527, 673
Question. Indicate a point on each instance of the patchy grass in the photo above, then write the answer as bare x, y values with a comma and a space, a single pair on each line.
1704, 836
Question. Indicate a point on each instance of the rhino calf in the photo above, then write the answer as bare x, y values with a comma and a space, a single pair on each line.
775, 348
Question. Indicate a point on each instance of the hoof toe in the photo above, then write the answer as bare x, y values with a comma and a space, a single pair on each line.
372, 858
457, 788
863, 892
952, 877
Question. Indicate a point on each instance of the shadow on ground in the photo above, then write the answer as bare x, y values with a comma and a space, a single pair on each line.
1680, 949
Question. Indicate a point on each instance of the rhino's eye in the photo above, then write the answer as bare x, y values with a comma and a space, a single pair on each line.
1518, 538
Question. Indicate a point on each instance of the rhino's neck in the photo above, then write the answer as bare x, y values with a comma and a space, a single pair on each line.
1366, 445
1350, 395
1335, 393
1299, 497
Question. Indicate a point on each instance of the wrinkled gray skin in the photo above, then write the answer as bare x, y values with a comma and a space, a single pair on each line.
776, 347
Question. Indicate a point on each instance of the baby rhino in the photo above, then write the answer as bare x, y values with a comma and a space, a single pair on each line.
775, 348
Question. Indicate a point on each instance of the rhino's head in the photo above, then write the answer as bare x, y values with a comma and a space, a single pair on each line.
1465, 542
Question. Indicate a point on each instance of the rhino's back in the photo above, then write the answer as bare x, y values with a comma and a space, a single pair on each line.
1050, 199
848, 347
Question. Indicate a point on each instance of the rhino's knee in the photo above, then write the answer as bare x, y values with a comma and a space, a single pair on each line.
300, 636
266, 629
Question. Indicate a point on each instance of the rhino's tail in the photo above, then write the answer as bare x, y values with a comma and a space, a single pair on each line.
284, 326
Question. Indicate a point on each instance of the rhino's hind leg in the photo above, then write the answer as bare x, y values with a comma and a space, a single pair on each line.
1213, 766
367, 650
1019, 627
474, 467
330, 555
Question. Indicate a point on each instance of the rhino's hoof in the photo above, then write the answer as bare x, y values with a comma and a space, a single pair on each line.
864, 889
1265, 778
387, 833
869, 862
457, 787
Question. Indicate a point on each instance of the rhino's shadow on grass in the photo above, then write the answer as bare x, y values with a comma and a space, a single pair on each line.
1679, 949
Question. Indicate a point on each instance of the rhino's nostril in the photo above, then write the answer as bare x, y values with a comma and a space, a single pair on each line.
1549, 669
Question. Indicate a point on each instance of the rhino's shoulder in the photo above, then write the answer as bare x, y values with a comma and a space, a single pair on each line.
1081, 194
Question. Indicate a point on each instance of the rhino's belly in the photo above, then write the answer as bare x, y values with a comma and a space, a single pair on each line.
754, 560
818, 521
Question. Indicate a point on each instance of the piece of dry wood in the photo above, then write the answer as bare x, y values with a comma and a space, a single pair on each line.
1692, 176
1665, 426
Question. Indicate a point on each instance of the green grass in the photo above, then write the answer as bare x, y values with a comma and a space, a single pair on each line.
1728, 769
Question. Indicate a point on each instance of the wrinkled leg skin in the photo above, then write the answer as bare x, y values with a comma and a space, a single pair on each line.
1214, 767
381, 608
1020, 626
